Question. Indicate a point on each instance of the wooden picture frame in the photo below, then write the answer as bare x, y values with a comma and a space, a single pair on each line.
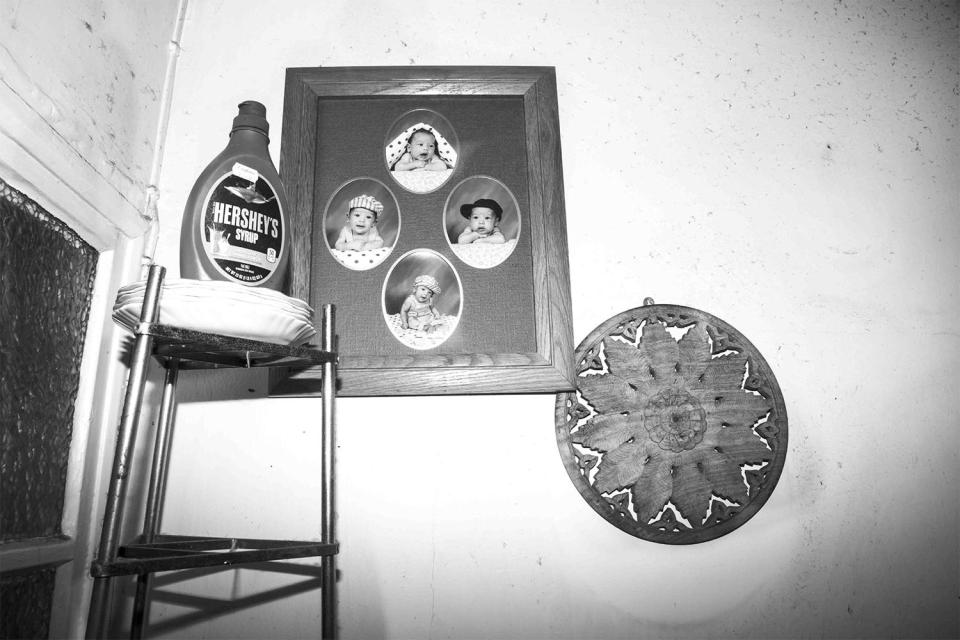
513, 329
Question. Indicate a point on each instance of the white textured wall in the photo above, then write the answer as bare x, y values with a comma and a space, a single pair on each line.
790, 167
81, 88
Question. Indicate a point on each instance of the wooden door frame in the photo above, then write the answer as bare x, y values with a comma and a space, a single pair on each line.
37, 161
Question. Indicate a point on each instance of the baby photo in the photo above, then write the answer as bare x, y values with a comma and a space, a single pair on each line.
482, 221
361, 224
420, 157
421, 299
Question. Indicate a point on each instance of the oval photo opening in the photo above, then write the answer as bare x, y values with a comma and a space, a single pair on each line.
482, 221
421, 150
422, 299
361, 223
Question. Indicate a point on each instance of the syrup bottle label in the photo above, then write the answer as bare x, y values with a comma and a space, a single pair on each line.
242, 226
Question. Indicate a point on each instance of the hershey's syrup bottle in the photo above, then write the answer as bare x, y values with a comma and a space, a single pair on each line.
234, 224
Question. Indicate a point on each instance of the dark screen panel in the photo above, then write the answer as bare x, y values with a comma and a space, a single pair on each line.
45, 289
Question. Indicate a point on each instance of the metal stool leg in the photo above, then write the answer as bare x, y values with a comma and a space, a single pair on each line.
158, 484
328, 564
126, 438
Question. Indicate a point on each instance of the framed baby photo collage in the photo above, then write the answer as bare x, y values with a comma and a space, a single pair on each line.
427, 207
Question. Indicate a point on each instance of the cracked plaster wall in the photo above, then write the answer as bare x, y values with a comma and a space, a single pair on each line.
82, 90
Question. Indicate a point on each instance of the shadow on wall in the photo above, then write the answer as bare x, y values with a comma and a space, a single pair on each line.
170, 591
206, 607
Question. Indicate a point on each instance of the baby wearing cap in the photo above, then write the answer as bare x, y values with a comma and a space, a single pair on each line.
483, 222
417, 311
360, 233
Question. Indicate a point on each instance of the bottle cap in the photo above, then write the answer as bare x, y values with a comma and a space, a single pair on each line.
251, 115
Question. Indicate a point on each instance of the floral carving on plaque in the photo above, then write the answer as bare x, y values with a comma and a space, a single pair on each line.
677, 432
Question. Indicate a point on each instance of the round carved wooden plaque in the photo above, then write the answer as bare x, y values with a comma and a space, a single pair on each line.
677, 432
